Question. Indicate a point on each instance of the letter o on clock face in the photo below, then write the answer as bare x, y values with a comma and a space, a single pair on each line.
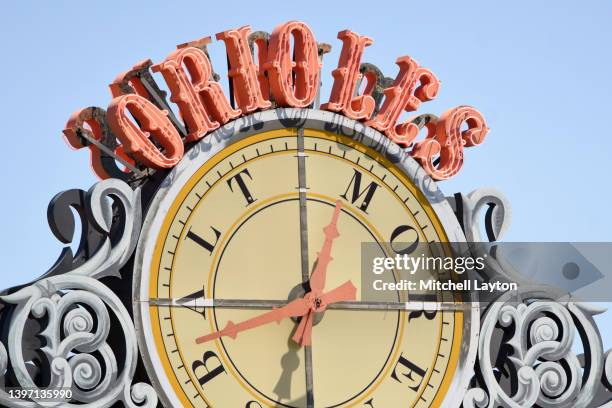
229, 244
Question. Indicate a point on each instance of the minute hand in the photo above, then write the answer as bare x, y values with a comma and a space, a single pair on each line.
296, 308
317, 278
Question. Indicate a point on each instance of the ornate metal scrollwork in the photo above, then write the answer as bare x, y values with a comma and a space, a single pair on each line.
527, 357
527, 348
78, 317
468, 209
68, 330
110, 217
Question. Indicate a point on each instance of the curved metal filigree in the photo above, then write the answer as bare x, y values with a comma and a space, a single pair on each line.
118, 246
68, 330
78, 319
528, 338
527, 354
468, 209
110, 218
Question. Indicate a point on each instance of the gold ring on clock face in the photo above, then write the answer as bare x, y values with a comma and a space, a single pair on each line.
242, 231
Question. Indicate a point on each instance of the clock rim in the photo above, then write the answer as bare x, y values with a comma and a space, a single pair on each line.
259, 122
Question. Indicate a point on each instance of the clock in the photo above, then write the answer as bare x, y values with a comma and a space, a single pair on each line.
248, 283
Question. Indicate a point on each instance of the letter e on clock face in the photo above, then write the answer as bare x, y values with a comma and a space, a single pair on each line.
235, 232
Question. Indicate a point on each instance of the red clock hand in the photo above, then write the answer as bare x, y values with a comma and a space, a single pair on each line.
317, 278
305, 307
296, 308
303, 333
344, 292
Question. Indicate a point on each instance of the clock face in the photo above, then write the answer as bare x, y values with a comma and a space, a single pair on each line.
243, 232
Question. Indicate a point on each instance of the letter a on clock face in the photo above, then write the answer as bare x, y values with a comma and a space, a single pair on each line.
250, 279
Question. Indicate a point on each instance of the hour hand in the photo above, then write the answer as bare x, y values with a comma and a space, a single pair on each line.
296, 308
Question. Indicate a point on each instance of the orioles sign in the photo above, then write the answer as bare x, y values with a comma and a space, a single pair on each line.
266, 71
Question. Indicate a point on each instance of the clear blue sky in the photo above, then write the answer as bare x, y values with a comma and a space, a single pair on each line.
539, 71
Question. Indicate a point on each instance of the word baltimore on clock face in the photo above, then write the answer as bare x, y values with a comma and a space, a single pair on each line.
266, 71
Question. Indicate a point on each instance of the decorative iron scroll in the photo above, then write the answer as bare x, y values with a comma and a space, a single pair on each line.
81, 315
68, 330
527, 344
526, 356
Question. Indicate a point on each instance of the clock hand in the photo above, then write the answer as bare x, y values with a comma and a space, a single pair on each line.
344, 292
296, 308
317, 278
303, 333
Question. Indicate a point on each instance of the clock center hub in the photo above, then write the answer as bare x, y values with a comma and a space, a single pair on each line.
316, 303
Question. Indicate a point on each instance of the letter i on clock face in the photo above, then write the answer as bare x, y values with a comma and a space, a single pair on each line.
248, 273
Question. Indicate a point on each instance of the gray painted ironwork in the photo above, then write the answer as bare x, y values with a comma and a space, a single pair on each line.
89, 337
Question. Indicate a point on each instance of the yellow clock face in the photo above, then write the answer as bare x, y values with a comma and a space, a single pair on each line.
243, 234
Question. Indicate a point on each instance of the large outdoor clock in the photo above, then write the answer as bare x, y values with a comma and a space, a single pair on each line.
263, 223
